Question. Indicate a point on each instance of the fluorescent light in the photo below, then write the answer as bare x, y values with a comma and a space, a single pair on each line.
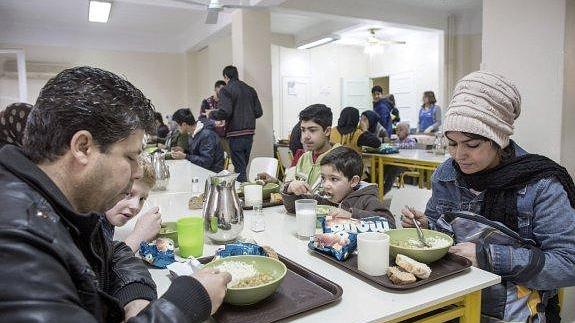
319, 42
99, 11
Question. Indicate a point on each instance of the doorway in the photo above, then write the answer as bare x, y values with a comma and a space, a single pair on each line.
383, 82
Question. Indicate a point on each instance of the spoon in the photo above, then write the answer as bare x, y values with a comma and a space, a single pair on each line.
419, 231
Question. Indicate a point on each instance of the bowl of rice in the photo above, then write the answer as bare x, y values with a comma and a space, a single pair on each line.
254, 278
405, 242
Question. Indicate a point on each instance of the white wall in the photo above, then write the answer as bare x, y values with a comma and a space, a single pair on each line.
517, 45
160, 76
422, 59
325, 66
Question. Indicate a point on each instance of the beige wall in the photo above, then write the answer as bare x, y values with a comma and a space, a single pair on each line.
467, 54
160, 76
567, 145
531, 54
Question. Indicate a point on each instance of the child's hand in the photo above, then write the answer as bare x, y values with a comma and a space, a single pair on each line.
298, 188
339, 213
148, 225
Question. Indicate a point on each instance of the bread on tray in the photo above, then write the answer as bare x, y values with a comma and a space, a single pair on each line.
419, 269
400, 277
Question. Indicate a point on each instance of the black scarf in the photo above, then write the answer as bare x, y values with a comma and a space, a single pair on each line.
502, 183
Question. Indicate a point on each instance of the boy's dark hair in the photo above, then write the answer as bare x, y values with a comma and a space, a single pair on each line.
184, 115
344, 160
376, 89
231, 72
318, 113
430, 96
85, 98
219, 83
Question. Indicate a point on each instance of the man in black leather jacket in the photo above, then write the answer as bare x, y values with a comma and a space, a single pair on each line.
239, 106
79, 157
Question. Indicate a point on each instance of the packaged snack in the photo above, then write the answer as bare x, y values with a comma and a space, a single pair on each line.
338, 244
240, 248
351, 225
339, 237
158, 253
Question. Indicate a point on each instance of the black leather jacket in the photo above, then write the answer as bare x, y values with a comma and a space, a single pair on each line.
240, 106
57, 265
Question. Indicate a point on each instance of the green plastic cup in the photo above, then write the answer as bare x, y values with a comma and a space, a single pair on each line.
190, 236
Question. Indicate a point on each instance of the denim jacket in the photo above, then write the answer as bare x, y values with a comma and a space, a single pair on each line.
546, 219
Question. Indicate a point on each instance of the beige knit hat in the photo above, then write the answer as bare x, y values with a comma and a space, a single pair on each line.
485, 104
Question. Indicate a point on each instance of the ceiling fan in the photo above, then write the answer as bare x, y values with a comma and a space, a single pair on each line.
373, 40
214, 7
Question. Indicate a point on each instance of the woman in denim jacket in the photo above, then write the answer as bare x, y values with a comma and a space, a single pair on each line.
510, 212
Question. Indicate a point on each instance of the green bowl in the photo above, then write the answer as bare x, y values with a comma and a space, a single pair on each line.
252, 295
424, 255
267, 190
168, 230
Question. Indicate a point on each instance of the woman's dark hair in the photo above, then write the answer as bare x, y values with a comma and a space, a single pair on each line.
505, 153
376, 89
373, 118
392, 99
158, 117
85, 98
344, 160
219, 83
318, 113
231, 72
184, 115
348, 120
430, 96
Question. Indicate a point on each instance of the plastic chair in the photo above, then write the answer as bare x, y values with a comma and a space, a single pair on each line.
410, 196
262, 165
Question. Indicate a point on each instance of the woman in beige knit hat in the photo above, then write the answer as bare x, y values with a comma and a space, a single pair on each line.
510, 212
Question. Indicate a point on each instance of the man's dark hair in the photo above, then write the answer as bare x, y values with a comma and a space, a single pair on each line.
231, 72
219, 83
158, 117
376, 89
184, 115
318, 113
85, 98
344, 160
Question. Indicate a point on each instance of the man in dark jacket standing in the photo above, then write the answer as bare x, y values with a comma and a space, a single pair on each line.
80, 157
239, 106
204, 148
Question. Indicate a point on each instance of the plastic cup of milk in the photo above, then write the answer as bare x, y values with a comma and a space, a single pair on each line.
305, 215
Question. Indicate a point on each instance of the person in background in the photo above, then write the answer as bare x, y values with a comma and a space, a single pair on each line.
239, 106
369, 121
383, 108
148, 223
203, 147
162, 129
211, 104
12, 123
295, 139
348, 134
523, 223
341, 171
404, 140
185, 121
429, 114
395, 119
80, 156
315, 131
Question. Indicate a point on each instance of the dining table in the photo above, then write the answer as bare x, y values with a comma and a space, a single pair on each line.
457, 296
422, 160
